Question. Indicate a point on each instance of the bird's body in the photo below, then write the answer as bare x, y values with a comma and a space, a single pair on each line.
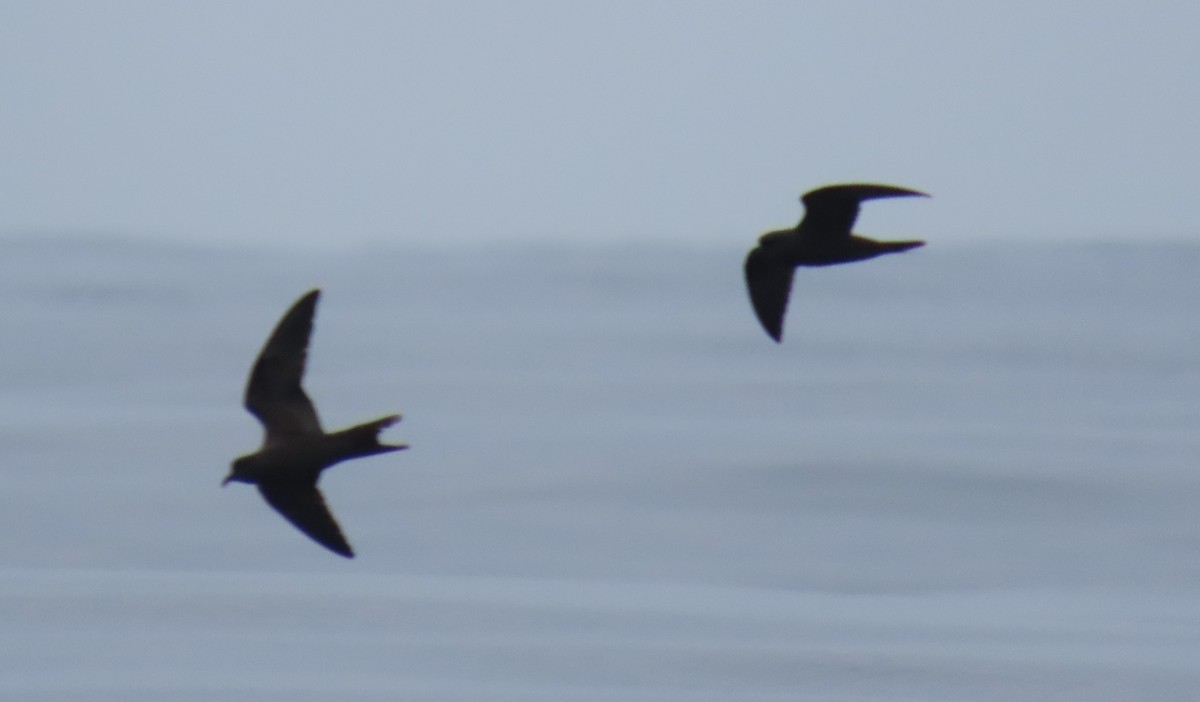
311, 454
822, 238
295, 448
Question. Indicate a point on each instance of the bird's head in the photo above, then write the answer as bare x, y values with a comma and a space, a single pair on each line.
237, 471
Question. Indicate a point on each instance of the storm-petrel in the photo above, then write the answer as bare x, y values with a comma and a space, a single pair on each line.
295, 449
822, 238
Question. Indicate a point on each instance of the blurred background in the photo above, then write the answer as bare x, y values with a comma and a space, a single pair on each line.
319, 124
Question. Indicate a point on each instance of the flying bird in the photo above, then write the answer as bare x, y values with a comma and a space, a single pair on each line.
822, 238
295, 448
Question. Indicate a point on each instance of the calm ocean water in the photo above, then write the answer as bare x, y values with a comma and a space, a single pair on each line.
967, 473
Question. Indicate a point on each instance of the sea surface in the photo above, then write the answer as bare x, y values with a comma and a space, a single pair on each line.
968, 473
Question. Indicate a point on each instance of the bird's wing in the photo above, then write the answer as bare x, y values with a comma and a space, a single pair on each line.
303, 506
273, 393
769, 280
829, 212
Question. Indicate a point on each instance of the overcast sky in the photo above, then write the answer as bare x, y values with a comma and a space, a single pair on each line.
290, 123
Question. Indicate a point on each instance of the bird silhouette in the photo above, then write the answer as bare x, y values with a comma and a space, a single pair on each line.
295, 448
822, 238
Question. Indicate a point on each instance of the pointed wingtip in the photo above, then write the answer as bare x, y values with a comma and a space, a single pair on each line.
308, 302
772, 329
342, 549
309, 297
768, 276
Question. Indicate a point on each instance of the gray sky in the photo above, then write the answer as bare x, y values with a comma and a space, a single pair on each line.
296, 123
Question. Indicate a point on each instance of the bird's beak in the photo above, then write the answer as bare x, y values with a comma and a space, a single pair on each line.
226, 480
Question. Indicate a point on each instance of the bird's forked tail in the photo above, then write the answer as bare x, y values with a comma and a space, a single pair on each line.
363, 439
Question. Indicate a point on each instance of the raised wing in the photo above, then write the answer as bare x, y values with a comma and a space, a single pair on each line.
273, 393
769, 280
829, 212
303, 506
